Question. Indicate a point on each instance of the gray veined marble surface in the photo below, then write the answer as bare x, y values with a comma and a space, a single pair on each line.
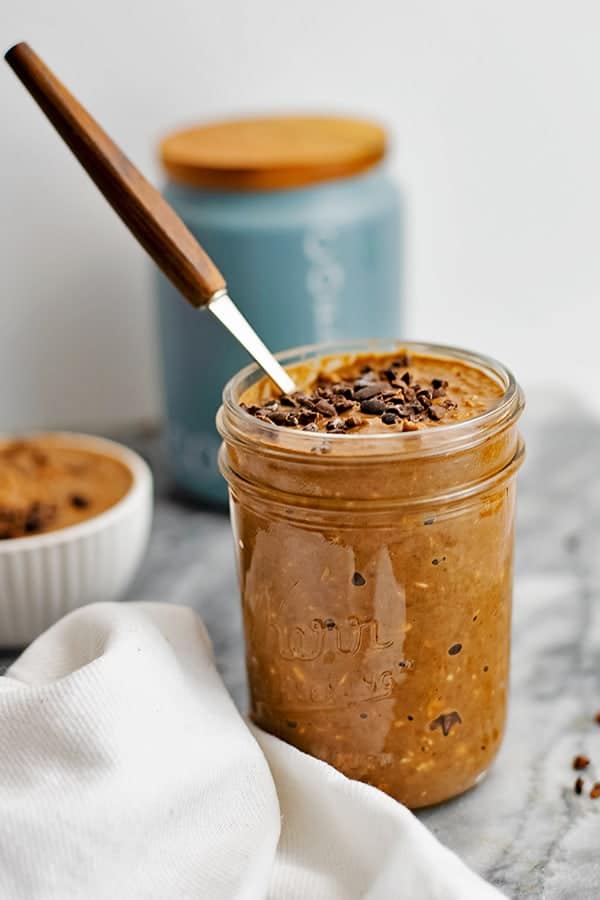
523, 828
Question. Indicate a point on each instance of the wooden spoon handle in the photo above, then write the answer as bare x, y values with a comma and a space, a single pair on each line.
145, 212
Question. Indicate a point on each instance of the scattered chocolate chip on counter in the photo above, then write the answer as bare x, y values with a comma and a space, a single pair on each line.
580, 762
595, 791
578, 786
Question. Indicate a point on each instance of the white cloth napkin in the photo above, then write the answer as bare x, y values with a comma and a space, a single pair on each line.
127, 772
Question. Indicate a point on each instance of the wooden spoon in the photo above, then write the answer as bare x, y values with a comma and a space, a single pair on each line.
146, 213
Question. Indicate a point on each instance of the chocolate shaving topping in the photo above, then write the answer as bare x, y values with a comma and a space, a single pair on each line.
339, 405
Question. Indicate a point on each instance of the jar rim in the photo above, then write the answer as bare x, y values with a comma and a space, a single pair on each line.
235, 423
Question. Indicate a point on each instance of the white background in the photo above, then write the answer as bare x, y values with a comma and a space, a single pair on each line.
495, 112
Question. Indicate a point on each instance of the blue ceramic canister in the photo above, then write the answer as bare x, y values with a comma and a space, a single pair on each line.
302, 219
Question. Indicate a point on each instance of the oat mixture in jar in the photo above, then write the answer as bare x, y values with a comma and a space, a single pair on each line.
373, 515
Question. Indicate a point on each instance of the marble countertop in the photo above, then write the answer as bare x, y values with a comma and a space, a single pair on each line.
523, 828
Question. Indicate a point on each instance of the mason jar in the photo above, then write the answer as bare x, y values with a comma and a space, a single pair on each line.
376, 581
303, 219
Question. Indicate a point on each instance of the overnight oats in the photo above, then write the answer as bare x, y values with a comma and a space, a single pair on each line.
373, 515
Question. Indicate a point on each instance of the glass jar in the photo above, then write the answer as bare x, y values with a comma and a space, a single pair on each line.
376, 584
303, 219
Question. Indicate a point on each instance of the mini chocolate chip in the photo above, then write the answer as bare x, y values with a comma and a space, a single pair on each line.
486, 668
410, 718
396, 405
389, 418
437, 383
372, 407
595, 791
363, 715
358, 580
79, 502
336, 424
365, 369
436, 412
303, 399
578, 786
277, 416
329, 624
342, 404
446, 722
326, 408
352, 422
405, 378
32, 523
305, 416
325, 391
286, 400
428, 522
435, 562
371, 390
581, 762
341, 387
454, 649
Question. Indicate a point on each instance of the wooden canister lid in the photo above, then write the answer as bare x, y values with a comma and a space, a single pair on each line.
272, 153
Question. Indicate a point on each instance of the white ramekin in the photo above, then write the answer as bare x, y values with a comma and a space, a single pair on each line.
44, 576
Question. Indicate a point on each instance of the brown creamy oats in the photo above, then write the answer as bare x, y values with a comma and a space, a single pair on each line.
367, 390
46, 485
375, 567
